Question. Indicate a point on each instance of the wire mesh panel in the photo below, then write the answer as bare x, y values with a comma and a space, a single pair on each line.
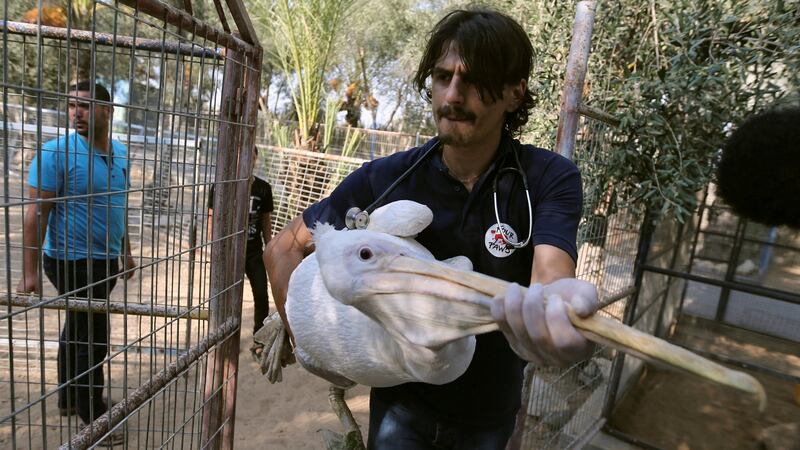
730, 249
119, 313
361, 143
300, 178
608, 234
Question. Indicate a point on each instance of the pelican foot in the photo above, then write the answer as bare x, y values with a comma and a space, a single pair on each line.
351, 440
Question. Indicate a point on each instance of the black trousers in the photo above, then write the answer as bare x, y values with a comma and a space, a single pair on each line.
410, 426
84, 338
257, 274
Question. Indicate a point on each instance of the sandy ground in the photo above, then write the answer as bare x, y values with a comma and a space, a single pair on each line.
286, 415
677, 411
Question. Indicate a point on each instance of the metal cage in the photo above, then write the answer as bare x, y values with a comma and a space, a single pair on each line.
184, 95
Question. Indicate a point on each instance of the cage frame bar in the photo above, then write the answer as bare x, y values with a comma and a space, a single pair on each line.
575, 76
185, 21
222, 272
109, 39
93, 433
136, 309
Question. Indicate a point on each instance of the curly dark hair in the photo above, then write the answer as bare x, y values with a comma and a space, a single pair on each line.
759, 171
495, 51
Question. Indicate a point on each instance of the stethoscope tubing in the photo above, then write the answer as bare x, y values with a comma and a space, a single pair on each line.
521, 173
358, 219
369, 209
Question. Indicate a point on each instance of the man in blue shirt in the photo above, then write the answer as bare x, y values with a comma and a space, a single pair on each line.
474, 72
80, 181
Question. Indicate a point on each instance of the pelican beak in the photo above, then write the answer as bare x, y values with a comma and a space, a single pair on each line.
484, 284
597, 329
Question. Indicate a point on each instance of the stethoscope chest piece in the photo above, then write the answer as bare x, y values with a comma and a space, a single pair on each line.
356, 219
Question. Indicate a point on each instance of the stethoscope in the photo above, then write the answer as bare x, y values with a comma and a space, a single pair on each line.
358, 219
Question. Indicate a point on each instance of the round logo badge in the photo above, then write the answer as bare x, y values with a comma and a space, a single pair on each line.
496, 243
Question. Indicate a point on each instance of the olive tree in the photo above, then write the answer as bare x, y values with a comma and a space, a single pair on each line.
679, 75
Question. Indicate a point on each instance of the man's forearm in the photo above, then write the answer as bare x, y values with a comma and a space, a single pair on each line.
128, 252
279, 270
551, 264
34, 227
266, 228
33, 236
282, 255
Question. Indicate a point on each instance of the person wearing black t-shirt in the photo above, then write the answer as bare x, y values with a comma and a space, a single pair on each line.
475, 73
259, 231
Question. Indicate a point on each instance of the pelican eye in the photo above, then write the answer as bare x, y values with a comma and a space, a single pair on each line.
365, 253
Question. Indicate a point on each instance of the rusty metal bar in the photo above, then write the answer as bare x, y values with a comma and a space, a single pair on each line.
242, 21
221, 16
184, 21
754, 289
154, 45
608, 301
102, 306
223, 224
93, 433
598, 114
252, 85
577, 63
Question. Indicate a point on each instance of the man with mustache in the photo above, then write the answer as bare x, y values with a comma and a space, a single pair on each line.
79, 181
475, 73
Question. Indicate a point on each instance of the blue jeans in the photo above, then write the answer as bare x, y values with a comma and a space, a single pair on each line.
403, 427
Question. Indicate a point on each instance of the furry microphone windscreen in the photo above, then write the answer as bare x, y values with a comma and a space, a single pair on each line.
759, 171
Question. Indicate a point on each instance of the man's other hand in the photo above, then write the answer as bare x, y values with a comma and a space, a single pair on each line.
28, 284
536, 323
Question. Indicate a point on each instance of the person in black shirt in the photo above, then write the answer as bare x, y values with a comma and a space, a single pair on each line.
259, 231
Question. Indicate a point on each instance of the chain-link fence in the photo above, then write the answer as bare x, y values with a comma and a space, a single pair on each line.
363, 143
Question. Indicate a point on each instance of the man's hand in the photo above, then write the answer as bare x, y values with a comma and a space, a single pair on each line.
536, 325
29, 283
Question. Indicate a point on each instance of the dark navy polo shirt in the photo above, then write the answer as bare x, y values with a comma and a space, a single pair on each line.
489, 392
